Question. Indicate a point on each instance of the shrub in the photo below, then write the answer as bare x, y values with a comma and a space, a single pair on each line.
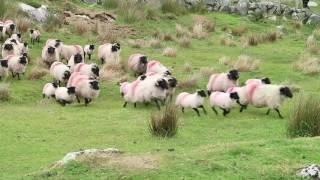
308, 65
246, 63
165, 122
23, 24
4, 92
166, 37
189, 82
185, 42
271, 36
305, 117
181, 31
239, 31
53, 23
37, 73
170, 52
173, 6
112, 72
253, 40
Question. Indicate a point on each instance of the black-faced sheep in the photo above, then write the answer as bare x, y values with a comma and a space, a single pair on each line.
109, 53
194, 101
223, 81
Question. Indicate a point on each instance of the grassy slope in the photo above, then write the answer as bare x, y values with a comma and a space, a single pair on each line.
35, 133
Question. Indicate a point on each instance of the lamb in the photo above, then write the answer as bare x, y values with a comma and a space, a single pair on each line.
271, 96
194, 101
65, 95
16, 36
264, 80
49, 90
138, 63
223, 81
74, 60
91, 70
60, 72
88, 50
9, 27
109, 53
34, 36
9, 48
50, 55
17, 65
225, 101
243, 95
3, 68
157, 67
67, 51
85, 88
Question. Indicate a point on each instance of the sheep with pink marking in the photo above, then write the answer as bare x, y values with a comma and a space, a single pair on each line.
17, 65
91, 70
67, 51
221, 82
10, 48
50, 55
225, 101
264, 80
156, 67
138, 63
109, 53
60, 72
194, 101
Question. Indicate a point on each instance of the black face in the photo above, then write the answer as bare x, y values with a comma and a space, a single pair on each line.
51, 50
31, 31
8, 47
167, 73
25, 44
4, 63
143, 60
285, 91
91, 47
201, 93
25, 55
94, 85
266, 81
95, 70
115, 47
233, 75
12, 26
77, 58
66, 75
58, 42
55, 85
14, 41
143, 77
172, 82
234, 96
23, 60
19, 35
162, 83
71, 90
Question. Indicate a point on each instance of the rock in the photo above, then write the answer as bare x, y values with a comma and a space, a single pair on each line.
312, 172
314, 19
38, 14
243, 7
312, 4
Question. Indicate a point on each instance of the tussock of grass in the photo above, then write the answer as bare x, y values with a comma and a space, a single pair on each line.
110, 4
271, 36
23, 24
169, 52
166, 37
112, 72
207, 25
181, 31
165, 122
246, 63
225, 60
105, 33
53, 23
207, 71
155, 43
81, 29
137, 43
185, 42
253, 40
308, 65
173, 6
305, 115
189, 82
198, 32
4, 92
37, 73
187, 68
239, 31
226, 40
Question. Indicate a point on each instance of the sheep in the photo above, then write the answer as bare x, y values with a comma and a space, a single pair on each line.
91, 70
54, 42
194, 101
10, 27
34, 36
74, 60
85, 87
271, 96
17, 65
67, 51
2, 31
138, 63
49, 90
3, 68
60, 72
50, 55
264, 80
88, 50
109, 53
225, 101
243, 95
124, 88
16, 36
223, 81
22, 48
19, 47
157, 67
9, 48
65, 95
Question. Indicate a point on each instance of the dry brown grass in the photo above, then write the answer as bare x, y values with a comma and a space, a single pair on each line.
137, 43
198, 32
307, 64
169, 52
4, 92
246, 63
189, 82
181, 31
37, 73
185, 42
312, 45
253, 40
155, 43
297, 25
105, 33
23, 24
81, 29
207, 71
225, 60
271, 36
187, 68
112, 72
166, 37
208, 25
239, 31
226, 40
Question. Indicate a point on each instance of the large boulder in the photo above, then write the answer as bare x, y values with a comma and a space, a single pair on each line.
243, 7
314, 19
38, 14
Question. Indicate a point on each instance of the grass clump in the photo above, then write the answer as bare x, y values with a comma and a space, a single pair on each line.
305, 117
53, 23
173, 7
309, 65
239, 31
155, 43
207, 24
246, 63
207, 71
185, 42
169, 52
189, 82
4, 92
38, 73
226, 40
165, 122
110, 4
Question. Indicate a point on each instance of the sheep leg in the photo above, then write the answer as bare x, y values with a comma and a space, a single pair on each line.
125, 104
84, 56
197, 111
157, 103
62, 102
135, 105
182, 109
102, 60
268, 112
204, 110
225, 112
278, 111
86, 101
13, 75
43, 96
209, 92
214, 109
243, 107
89, 55
18, 76
78, 99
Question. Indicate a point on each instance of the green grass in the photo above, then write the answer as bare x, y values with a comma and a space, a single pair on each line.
35, 132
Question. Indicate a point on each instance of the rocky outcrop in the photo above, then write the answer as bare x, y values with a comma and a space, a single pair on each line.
38, 14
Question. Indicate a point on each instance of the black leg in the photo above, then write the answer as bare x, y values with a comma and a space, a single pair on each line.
146, 103
43, 96
243, 107
204, 110
12, 74
268, 112
125, 104
214, 109
280, 116
135, 105
209, 92
102, 61
59, 83
225, 112
86, 101
197, 111
182, 109
84, 55
18, 76
89, 56
53, 96
157, 103
78, 99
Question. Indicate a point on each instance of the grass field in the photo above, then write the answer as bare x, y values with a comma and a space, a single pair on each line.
34, 133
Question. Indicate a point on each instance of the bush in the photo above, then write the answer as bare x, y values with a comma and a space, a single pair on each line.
305, 117
80, 28
4, 92
38, 73
23, 24
165, 122
173, 6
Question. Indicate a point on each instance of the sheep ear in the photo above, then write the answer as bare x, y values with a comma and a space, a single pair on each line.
69, 67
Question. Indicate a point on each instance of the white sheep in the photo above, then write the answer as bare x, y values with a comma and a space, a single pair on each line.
69, 50
17, 65
223, 81
157, 67
243, 95
3, 69
65, 95
2, 30
138, 63
49, 90
194, 101
264, 80
109, 53
9, 27
225, 101
50, 55
74, 60
34, 36
20, 48
54, 43
91, 70
16, 36
271, 96
60, 72
88, 50
9, 48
